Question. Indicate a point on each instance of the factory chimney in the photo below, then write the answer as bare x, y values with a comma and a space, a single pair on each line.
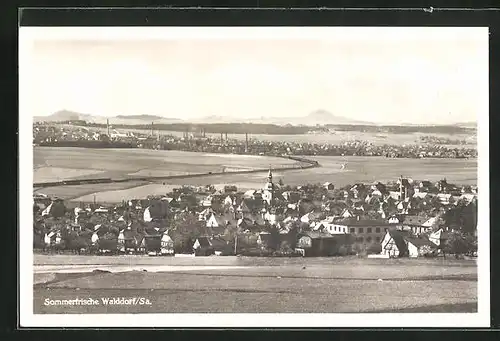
107, 125
246, 142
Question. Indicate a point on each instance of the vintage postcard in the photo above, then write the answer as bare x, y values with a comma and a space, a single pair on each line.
254, 177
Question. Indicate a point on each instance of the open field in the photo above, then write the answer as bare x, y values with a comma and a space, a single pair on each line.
260, 285
73, 191
359, 169
54, 163
127, 163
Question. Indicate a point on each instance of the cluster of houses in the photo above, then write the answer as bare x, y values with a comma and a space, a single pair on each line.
404, 218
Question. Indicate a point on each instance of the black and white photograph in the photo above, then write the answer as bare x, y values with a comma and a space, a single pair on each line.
254, 176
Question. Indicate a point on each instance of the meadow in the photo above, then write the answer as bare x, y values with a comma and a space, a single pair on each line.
120, 163
58, 163
267, 285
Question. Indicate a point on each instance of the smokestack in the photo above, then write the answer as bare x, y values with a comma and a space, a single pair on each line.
246, 142
152, 128
221, 137
226, 136
107, 125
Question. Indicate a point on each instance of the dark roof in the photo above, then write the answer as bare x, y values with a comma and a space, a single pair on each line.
153, 242
218, 243
399, 238
414, 220
316, 235
265, 237
128, 234
252, 204
418, 242
363, 222
204, 242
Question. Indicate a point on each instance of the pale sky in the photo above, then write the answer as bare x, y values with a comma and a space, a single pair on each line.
383, 75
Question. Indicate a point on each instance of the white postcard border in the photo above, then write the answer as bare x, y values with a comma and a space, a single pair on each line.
27, 319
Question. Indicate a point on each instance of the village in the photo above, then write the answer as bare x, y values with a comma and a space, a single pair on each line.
404, 218
198, 141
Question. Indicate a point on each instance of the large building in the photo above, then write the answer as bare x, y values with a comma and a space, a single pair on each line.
365, 232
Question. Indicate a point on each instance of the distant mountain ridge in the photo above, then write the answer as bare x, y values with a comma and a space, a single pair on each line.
140, 117
67, 115
321, 117
317, 117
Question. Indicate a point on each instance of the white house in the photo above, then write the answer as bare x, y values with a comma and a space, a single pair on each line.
271, 218
207, 202
346, 214
393, 244
228, 201
394, 195
212, 221
52, 238
416, 246
251, 194
331, 227
444, 199
167, 244
309, 218
329, 186
393, 220
438, 237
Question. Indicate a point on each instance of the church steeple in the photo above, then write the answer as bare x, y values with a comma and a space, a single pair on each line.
269, 189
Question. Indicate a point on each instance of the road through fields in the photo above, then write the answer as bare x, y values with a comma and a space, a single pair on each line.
258, 285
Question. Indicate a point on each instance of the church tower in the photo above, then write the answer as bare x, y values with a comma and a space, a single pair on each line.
269, 189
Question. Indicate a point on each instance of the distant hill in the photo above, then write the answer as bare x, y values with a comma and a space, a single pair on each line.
67, 115
140, 117
317, 117
466, 124
62, 115
326, 117
321, 117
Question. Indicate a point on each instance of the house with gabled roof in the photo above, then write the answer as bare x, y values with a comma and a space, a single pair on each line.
314, 243
418, 224
206, 246
330, 226
365, 231
421, 195
438, 237
250, 206
291, 196
393, 244
418, 246
329, 186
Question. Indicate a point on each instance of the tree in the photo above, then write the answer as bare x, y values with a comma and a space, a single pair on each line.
184, 232
274, 238
457, 244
